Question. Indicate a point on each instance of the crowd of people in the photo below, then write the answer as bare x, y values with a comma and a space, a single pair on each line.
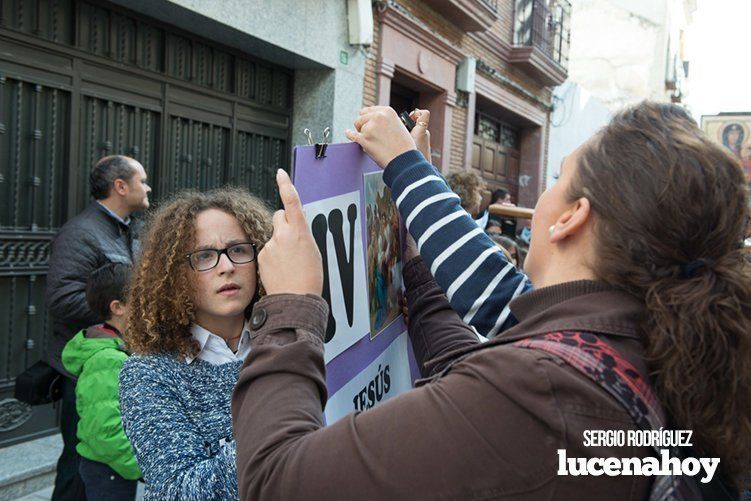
502, 230
193, 349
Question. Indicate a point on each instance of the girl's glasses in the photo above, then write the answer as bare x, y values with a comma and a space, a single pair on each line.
206, 259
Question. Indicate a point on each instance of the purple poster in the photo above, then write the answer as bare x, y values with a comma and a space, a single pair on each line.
367, 351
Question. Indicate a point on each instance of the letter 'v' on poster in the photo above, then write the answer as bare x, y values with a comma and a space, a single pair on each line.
333, 192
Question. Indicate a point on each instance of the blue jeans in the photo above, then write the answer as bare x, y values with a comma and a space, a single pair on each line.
68, 483
103, 483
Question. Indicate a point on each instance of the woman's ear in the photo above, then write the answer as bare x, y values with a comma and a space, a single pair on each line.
571, 221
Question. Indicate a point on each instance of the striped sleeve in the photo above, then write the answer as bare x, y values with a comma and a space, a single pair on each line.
478, 280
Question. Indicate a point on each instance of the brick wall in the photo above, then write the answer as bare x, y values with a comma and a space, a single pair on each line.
370, 82
505, 25
458, 137
470, 45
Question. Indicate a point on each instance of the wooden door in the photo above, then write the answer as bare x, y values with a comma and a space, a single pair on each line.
80, 80
495, 154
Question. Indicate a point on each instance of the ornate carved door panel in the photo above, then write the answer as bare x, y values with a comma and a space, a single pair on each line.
80, 80
495, 154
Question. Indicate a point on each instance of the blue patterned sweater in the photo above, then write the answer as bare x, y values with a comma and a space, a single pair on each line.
177, 417
478, 280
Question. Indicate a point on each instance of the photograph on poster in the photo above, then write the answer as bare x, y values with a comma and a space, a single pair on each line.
383, 253
336, 226
733, 131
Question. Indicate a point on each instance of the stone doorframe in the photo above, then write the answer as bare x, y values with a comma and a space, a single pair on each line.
409, 50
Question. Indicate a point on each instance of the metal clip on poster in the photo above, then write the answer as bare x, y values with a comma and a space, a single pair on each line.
320, 147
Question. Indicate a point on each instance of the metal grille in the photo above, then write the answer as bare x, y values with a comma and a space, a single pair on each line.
544, 24
48, 19
33, 149
488, 129
492, 129
33, 153
257, 157
491, 4
109, 127
80, 80
119, 37
198, 156
495, 153
509, 137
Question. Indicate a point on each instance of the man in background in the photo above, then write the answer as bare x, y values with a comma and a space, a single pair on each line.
104, 232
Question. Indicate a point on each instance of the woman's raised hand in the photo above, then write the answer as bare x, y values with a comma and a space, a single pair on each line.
381, 134
290, 261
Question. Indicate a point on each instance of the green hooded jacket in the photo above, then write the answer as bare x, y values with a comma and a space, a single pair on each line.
95, 356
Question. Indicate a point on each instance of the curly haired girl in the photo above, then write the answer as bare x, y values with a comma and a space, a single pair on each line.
188, 330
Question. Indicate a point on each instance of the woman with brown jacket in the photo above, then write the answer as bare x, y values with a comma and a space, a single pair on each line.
640, 320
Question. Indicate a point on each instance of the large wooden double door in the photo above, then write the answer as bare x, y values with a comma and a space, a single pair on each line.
80, 80
495, 154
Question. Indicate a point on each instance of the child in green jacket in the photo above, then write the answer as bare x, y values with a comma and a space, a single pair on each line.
95, 355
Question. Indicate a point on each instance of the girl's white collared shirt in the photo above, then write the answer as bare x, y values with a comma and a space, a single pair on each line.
214, 349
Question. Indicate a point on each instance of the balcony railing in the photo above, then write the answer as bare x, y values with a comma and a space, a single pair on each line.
469, 15
544, 24
492, 4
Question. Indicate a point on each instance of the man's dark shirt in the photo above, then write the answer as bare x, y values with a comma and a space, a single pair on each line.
88, 241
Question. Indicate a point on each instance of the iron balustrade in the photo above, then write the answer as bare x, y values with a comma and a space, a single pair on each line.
544, 24
491, 4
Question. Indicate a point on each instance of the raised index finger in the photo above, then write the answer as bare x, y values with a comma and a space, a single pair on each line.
292, 206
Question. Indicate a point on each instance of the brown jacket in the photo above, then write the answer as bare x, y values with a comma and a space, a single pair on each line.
487, 426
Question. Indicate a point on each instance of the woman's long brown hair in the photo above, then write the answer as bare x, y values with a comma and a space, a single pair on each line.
670, 208
161, 299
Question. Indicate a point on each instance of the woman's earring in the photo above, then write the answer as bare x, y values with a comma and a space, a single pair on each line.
551, 230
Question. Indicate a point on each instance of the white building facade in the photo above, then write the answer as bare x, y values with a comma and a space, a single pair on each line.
622, 52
